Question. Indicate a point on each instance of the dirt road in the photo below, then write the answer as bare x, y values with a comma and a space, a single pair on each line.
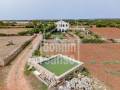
16, 79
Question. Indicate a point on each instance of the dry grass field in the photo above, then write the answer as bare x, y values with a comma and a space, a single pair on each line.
12, 30
5, 50
17, 41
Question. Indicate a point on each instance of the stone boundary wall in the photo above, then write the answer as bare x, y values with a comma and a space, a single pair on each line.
116, 40
36, 46
38, 43
5, 60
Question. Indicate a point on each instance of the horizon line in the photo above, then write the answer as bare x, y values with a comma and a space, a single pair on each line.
57, 19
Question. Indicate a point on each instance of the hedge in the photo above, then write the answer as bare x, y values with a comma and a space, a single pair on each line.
93, 41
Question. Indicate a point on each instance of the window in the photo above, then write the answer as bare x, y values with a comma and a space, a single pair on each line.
66, 25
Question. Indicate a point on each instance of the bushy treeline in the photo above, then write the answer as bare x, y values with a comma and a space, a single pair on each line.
88, 22
5, 24
90, 40
39, 27
97, 22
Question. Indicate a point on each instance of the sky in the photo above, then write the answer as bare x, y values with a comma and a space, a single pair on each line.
57, 9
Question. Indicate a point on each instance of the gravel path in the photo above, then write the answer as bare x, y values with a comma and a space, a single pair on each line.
16, 78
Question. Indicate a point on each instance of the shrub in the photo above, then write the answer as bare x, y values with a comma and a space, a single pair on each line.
2, 34
28, 72
23, 33
78, 33
29, 32
85, 72
96, 36
92, 41
44, 28
47, 35
29, 26
36, 53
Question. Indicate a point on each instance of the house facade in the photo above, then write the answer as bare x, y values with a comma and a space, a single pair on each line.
62, 26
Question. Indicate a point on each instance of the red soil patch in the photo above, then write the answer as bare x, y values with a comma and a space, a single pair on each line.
94, 56
109, 33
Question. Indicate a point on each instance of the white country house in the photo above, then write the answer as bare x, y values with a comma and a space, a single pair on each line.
62, 26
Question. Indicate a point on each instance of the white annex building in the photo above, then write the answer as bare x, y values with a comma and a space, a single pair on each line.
62, 26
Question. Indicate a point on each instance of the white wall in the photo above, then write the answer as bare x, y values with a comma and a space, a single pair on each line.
62, 26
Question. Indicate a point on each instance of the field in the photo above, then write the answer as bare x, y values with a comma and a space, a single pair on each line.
108, 33
17, 41
102, 60
10, 46
12, 30
59, 66
5, 50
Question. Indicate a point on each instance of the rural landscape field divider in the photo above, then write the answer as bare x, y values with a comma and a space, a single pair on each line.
5, 60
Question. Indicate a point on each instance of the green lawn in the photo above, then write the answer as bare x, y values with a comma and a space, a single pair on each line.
59, 66
58, 35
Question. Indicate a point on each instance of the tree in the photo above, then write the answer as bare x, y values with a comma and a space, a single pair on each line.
35, 23
1, 23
